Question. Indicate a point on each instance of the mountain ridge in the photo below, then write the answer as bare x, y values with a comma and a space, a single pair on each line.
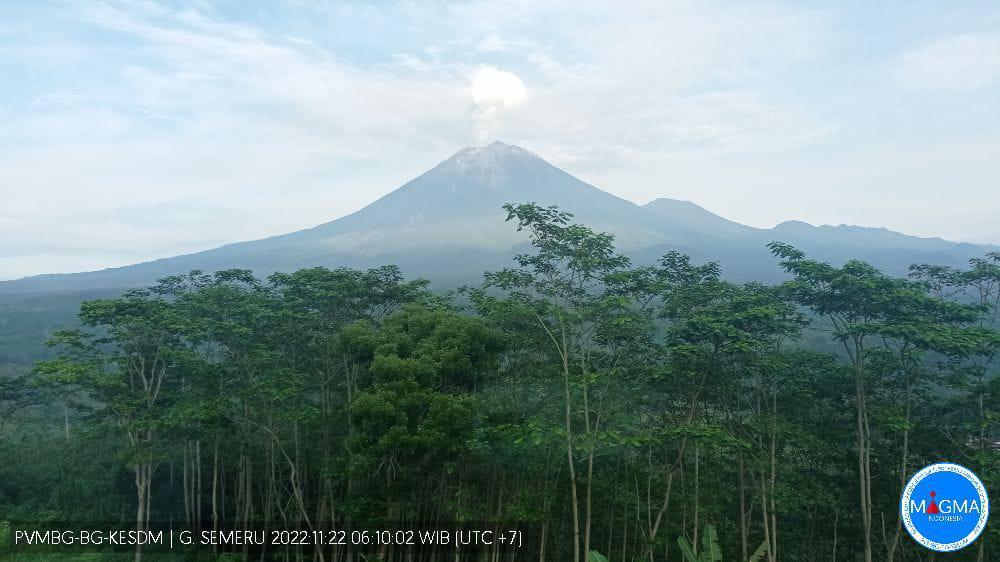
447, 225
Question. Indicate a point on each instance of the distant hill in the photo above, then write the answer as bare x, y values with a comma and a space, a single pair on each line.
447, 225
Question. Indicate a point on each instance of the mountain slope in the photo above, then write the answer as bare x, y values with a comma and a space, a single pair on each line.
463, 195
742, 250
447, 225
698, 219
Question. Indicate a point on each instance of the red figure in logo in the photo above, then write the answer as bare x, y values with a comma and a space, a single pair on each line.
933, 508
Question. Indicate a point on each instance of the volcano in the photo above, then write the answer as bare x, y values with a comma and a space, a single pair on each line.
447, 225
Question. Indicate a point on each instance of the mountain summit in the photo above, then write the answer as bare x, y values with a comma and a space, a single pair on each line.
458, 204
480, 180
447, 225
491, 163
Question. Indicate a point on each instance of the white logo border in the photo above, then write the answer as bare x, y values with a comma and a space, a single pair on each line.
984, 501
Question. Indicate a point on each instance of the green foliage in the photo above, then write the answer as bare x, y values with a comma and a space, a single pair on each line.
595, 556
711, 551
573, 392
758, 554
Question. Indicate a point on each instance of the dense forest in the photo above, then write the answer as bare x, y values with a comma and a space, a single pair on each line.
614, 412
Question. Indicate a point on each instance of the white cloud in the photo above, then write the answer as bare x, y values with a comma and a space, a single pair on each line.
491, 85
494, 91
184, 121
964, 62
218, 116
493, 44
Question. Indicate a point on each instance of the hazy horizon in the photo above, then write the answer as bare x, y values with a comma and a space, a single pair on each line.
134, 131
499, 211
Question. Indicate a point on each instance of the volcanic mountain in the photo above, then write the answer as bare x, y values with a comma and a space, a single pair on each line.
447, 225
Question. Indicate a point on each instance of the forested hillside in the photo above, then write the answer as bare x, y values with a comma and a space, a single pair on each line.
615, 412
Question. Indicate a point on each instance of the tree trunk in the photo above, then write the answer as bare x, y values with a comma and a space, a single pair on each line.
697, 499
864, 447
575, 504
891, 552
65, 420
570, 462
743, 512
774, 472
863, 476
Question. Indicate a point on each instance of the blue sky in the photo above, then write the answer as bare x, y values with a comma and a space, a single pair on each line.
135, 130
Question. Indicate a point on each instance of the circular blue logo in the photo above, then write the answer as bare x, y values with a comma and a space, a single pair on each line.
944, 507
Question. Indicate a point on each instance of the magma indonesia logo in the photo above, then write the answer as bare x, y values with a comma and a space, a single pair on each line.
945, 507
